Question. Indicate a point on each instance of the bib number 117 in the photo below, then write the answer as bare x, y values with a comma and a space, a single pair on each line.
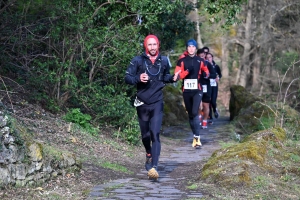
190, 84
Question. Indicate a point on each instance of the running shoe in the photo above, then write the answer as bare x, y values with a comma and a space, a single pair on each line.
196, 142
148, 163
204, 124
153, 174
216, 114
210, 121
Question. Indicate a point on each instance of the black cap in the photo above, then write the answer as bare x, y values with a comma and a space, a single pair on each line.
206, 48
200, 51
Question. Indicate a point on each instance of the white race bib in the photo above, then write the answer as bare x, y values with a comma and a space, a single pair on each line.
204, 88
190, 84
213, 82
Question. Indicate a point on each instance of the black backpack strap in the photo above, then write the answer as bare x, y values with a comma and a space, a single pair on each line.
164, 62
141, 68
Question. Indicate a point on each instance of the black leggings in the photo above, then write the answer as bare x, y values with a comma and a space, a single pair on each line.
213, 101
150, 120
192, 102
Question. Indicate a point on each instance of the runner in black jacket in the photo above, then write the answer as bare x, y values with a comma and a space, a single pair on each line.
149, 72
214, 83
206, 90
191, 68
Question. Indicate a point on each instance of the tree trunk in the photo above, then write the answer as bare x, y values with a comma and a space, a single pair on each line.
258, 68
224, 58
256, 71
267, 71
196, 19
244, 67
199, 40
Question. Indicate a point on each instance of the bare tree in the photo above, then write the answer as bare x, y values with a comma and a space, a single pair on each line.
265, 31
244, 65
194, 17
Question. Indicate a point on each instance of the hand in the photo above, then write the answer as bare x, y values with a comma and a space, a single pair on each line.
176, 76
144, 77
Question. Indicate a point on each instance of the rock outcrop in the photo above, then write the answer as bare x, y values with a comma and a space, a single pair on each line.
174, 110
28, 162
239, 99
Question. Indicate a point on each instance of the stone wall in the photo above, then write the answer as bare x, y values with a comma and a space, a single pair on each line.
25, 163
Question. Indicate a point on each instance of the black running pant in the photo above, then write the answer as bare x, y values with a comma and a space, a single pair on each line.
150, 120
213, 101
192, 102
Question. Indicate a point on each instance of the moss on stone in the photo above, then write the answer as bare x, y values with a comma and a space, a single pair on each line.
174, 110
255, 117
52, 152
172, 89
273, 134
35, 150
239, 99
232, 165
279, 133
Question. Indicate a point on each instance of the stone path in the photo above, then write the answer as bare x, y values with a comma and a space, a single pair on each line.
141, 188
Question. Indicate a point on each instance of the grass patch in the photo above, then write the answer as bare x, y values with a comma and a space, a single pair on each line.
261, 182
115, 167
295, 158
114, 187
192, 187
55, 196
227, 144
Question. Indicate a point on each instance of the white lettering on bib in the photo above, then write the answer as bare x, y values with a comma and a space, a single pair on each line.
213, 82
204, 88
190, 84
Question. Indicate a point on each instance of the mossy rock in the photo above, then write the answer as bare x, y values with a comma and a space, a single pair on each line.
240, 98
34, 151
276, 134
263, 152
265, 115
174, 110
232, 166
255, 117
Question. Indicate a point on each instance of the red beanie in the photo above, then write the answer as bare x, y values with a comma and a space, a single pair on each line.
145, 42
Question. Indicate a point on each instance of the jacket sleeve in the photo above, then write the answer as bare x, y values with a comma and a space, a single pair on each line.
180, 66
167, 77
212, 71
132, 77
204, 68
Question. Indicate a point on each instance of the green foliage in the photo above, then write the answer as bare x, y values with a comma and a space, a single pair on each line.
173, 26
265, 122
85, 49
116, 167
261, 181
285, 60
192, 186
131, 132
74, 53
83, 120
295, 158
223, 9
